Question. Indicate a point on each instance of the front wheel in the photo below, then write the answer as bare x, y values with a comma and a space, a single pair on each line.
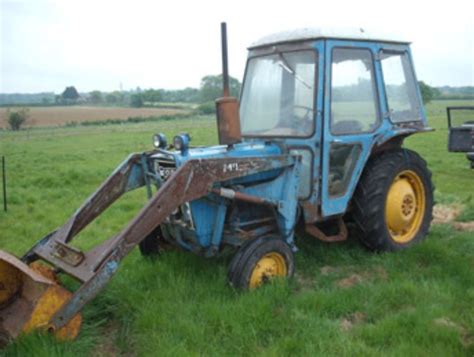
393, 202
151, 246
260, 260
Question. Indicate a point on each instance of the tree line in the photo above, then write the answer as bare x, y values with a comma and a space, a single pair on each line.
210, 88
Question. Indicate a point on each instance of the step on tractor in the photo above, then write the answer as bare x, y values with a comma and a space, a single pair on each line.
313, 145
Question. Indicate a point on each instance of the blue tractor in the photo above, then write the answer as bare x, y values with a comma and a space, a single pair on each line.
315, 145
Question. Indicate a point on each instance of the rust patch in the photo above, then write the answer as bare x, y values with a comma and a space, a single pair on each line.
317, 233
45, 271
228, 122
311, 213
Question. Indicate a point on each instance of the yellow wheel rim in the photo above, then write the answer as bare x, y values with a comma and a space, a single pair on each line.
270, 265
405, 206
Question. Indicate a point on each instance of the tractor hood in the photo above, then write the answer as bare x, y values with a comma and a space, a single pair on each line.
245, 149
165, 162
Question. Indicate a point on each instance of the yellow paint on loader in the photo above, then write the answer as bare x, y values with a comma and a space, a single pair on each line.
29, 298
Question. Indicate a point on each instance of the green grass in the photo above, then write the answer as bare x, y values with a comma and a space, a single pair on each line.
415, 302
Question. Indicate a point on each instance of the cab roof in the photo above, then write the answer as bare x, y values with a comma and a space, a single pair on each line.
310, 33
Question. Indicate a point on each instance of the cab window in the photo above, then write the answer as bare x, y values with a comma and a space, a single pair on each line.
353, 92
278, 95
400, 87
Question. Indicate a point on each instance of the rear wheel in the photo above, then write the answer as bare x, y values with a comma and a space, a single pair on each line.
260, 260
393, 202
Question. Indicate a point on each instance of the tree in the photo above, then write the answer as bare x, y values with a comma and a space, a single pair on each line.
136, 100
110, 98
152, 95
70, 95
96, 97
211, 87
16, 119
428, 93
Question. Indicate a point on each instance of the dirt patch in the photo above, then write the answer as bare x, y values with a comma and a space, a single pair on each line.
327, 270
107, 345
357, 278
464, 226
443, 214
467, 338
350, 281
447, 214
350, 321
381, 273
305, 282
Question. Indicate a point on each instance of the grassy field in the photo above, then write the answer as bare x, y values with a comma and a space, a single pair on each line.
342, 301
58, 116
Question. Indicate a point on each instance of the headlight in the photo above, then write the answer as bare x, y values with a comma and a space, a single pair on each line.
181, 142
159, 141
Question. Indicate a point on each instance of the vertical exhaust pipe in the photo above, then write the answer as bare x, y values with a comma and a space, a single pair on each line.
227, 107
225, 65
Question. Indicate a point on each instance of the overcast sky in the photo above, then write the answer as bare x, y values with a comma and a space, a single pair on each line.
47, 45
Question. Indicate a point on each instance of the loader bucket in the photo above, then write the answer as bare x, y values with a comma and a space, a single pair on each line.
29, 297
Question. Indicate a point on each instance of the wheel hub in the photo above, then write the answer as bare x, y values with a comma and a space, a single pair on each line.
269, 266
405, 206
408, 205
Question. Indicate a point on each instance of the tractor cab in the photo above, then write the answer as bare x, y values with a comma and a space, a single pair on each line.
334, 99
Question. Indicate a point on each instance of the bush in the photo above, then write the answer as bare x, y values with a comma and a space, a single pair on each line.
17, 118
206, 108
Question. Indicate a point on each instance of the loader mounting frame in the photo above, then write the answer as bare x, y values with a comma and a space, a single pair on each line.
194, 179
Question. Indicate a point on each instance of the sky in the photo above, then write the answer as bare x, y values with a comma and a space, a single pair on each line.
107, 45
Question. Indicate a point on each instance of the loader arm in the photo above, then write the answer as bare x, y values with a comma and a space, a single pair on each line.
127, 176
194, 179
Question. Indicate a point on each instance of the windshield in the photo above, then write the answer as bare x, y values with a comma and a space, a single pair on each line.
278, 95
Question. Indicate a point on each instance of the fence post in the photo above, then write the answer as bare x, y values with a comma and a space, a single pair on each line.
4, 180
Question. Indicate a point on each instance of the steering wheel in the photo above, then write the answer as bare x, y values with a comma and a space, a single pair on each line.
306, 114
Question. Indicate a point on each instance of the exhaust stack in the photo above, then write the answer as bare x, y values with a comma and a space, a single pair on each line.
227, 107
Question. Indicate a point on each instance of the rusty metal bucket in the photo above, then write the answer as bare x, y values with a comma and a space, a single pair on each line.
29, 297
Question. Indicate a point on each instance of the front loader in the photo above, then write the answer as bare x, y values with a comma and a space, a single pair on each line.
314, 145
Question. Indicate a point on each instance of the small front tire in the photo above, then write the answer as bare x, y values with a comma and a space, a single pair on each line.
259, 261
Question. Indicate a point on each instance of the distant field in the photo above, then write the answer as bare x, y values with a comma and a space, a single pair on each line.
57, 116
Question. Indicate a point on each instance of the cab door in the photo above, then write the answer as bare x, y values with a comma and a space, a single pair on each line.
352, 116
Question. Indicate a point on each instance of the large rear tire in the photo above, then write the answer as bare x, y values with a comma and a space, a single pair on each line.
393, 202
